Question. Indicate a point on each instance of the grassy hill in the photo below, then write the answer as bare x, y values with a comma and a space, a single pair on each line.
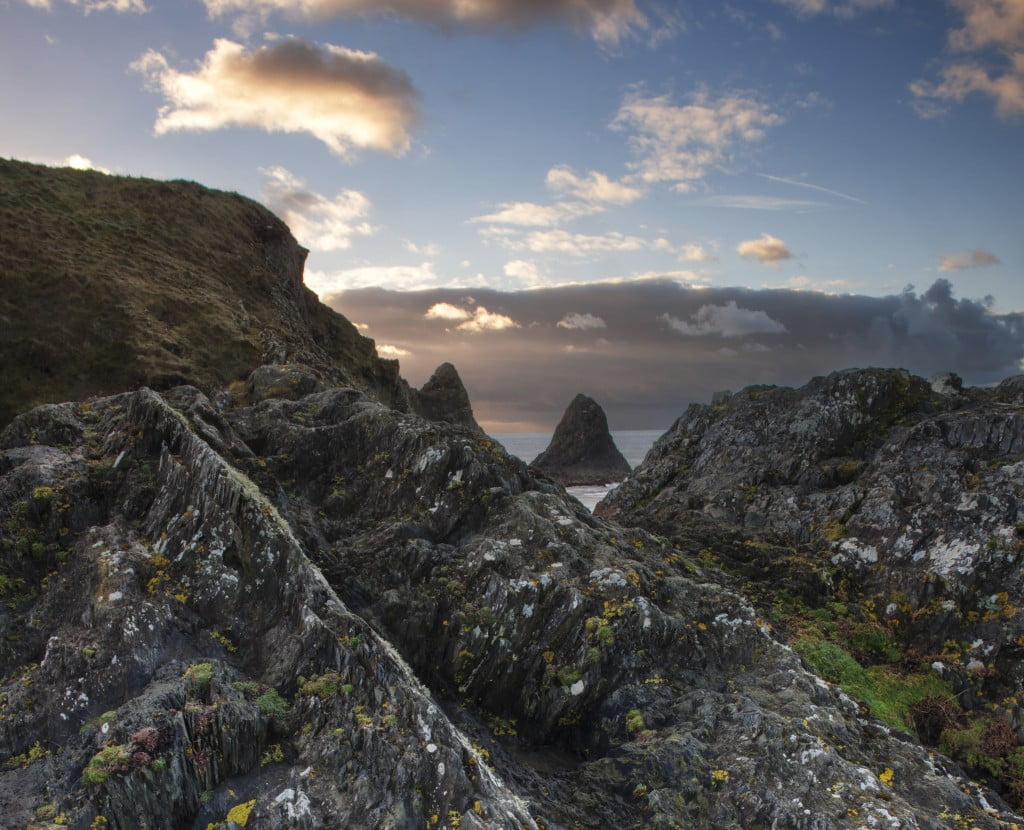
108, 283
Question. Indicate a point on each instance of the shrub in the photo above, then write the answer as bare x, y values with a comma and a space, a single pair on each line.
272, 704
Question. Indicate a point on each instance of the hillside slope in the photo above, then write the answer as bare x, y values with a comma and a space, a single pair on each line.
109, 283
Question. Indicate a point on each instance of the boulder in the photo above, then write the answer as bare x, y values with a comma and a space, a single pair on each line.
582, 450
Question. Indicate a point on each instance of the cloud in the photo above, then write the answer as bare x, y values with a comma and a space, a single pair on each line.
594, 188
768, 250
317, 222
430, 249
401, 277
79, 162
608, 21
386, 350
727, 320
810, 186
681, 144
484, 320
531, 214
345, 98
995, 27
695, 253
763, 203
652, 372
446, 311
89, 6
575, 321
579, 244
957, 262
843, 8
527, 273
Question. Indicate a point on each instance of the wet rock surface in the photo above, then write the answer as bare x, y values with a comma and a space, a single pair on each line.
322, 613
582, 450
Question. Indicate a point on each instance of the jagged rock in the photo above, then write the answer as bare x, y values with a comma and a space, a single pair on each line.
444, 398
288, 381
582, 450
871, 490
1011, 390
576, 672
946, 383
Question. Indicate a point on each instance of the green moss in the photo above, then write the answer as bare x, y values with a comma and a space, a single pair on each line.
887, 693
324, 687
199, 673
113, 758
635, 721
272, 704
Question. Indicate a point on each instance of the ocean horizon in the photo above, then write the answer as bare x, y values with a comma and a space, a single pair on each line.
632, 443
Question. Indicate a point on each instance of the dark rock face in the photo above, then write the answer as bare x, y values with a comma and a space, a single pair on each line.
582, 450
891, 506
444, 398
323, 613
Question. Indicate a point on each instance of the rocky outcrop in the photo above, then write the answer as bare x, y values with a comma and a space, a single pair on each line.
323, 612
869, 509
444, 398
157, 284
582, 450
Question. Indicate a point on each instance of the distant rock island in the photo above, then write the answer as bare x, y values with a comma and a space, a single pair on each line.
582, 450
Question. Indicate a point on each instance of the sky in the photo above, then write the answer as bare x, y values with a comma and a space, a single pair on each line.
642, 200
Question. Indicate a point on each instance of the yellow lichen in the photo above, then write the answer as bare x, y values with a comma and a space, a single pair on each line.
240, 812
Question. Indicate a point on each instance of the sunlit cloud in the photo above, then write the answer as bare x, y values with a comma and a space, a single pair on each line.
446, 311
484, 320
581, 322
317, 222
594, 188
430, 249
531, 214
608, 21
527, 273
346, 98
401, 277
973, 259
768, 250
386, 350
681, 144
79, 162
727, 320
990, 26
695, 253
579, 244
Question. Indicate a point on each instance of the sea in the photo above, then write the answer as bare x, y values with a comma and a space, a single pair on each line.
632, 443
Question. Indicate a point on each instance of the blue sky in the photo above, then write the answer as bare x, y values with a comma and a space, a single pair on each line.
839, 146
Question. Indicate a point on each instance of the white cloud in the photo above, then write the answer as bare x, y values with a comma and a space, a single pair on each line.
802, 282
531, 214
447, 311
745, 202
768, 250
727, 320
484, 320
397, 277
680, 144
89, 6
386, 350
695, 253
594, 188
579, 244
430, 249
317, 222
608, 21
526, 272
345, 98
581, 322
79, 162
957, 262
989, 25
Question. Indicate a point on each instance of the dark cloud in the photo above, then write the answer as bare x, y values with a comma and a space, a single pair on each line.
645, 372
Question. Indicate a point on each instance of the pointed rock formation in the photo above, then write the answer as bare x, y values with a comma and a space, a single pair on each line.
582, 450
444, 398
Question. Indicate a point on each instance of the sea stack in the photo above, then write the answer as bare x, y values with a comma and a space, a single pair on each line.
582, 450
444, 398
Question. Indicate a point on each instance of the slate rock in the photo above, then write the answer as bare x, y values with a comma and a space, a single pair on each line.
582, 450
